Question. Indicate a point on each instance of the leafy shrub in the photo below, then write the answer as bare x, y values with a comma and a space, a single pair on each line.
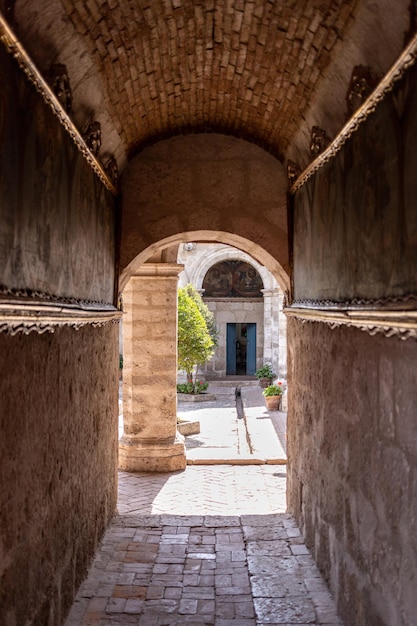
197, 387
265, 372
273, 390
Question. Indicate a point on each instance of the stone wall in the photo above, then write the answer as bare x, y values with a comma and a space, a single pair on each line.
58, 478
352, 447
355, 220
58, 390
352, 397
205, 182
58, 220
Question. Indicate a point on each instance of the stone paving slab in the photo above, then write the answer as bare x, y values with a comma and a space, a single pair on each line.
256, 438
210, 546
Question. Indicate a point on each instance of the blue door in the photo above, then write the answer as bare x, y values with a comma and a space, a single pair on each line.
231, 349
241, 349
251, 349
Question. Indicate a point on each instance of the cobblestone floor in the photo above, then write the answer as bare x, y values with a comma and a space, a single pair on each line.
208, 546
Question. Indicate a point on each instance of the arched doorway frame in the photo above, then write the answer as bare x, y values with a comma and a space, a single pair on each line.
160, 448
256, 252
271, 334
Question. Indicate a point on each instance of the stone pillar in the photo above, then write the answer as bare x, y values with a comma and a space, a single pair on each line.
282, 338
272, 316
150, 441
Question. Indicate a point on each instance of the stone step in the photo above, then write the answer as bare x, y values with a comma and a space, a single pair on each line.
232, 382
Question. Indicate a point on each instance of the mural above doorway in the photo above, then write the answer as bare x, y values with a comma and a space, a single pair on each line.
231, 279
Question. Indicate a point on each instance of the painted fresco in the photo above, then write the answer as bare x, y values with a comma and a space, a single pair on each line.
57, 228
355, 220
230, 279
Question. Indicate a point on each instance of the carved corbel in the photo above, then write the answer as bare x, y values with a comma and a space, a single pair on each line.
92, 137
112, 170
361, 86
319, 141
61, 86
293, 172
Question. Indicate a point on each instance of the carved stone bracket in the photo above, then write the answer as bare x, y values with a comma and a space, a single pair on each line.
15, 48
61, 86
361, 85
385, 86
319, 141
112, 170
293, 172
393, 317
92, 137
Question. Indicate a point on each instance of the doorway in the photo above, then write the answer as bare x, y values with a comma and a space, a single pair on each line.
241, 349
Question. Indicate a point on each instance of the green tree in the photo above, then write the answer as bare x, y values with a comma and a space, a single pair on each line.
195, 345
206, 313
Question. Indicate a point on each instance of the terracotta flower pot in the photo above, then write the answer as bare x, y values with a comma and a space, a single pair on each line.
273, 403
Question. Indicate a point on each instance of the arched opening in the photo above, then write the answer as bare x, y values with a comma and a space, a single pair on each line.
149, 352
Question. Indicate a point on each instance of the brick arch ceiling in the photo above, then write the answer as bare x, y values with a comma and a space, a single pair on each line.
151, 68
263, 70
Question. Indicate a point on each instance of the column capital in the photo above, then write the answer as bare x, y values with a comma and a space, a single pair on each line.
158, 269
274, 291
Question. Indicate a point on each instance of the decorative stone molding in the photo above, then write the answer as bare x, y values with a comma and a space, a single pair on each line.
319, 141
92, 137
26, 311
61, 86
15, 48
385, 86
394, 317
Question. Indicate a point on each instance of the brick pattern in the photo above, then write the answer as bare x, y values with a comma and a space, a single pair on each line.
202, 547
171, 570
249, 67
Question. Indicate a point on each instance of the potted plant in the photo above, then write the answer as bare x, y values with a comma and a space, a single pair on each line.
265, 374
272, 395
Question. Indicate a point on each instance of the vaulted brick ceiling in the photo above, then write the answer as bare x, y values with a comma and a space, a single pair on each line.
253, 68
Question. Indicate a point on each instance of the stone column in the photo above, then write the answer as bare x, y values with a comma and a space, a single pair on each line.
150, 441
272, 315
282, 339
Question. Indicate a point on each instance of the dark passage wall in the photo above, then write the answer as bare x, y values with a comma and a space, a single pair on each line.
352, 428
58, 451
355, 219
352, 444
58, 391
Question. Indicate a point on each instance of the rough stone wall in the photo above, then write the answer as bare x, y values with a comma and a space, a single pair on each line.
58, 478
352, 448
58, 391
58, 220
355, 220
352, 397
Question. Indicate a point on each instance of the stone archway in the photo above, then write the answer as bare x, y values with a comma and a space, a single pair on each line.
205, 187
271, 328
150, 441
201, 188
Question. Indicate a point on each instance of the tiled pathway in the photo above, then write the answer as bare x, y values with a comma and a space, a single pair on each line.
208, 546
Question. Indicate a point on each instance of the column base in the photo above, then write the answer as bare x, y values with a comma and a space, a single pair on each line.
136, 455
